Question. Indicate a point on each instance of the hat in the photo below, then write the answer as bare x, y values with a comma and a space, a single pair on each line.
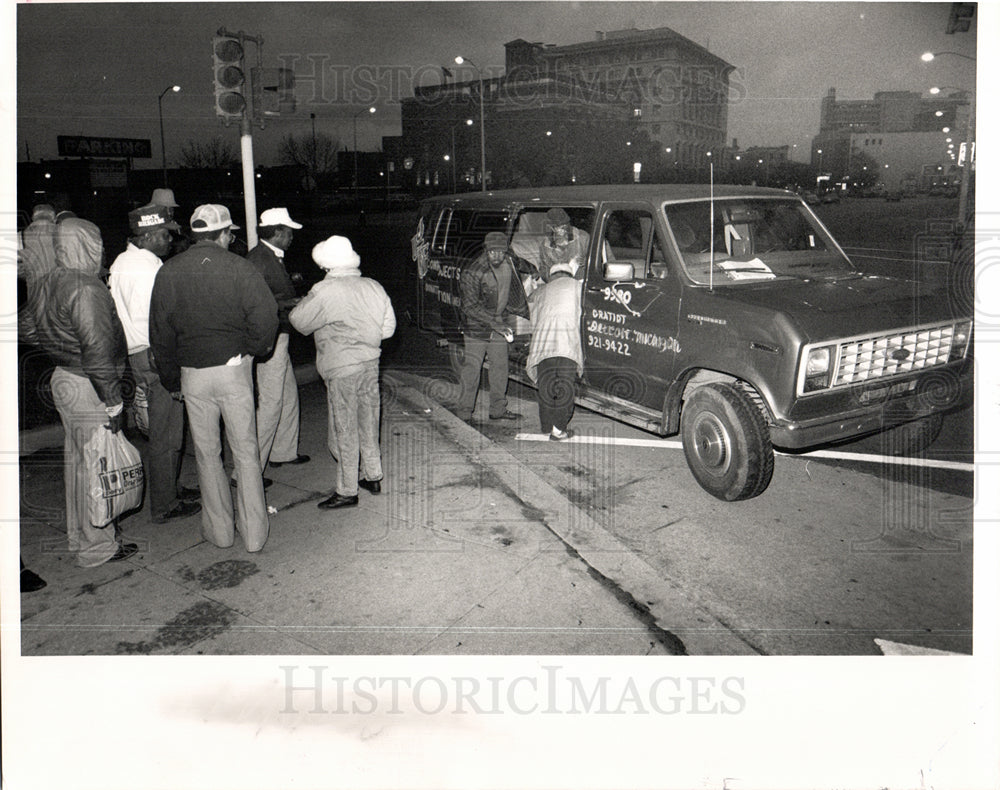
570, 267
336, 253
495, 241
212, 217
278, 216
150, 218
43, 211
163, 197
557, 217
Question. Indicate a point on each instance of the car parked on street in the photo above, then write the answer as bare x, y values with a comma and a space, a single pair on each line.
727, 314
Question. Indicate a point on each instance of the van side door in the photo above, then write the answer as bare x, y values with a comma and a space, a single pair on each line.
631, 305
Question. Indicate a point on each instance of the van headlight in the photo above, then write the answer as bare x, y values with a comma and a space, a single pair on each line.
817, 375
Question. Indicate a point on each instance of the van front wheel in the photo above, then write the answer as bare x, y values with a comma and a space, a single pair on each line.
726, 443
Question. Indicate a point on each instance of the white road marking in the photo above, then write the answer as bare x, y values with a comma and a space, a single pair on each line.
889, 648
671, 444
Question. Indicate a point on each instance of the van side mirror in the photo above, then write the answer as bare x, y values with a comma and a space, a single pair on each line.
618, 271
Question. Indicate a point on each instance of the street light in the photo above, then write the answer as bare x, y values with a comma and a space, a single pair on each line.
163, 147
963, 192
355, 120
482, 123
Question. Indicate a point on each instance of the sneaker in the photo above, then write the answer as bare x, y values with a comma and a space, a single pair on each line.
560, 436
180, 510
125, 550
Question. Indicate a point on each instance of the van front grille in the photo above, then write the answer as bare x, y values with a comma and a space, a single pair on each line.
875, 357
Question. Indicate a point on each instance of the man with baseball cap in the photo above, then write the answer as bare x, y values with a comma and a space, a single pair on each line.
277, 390
131, 282
211, 314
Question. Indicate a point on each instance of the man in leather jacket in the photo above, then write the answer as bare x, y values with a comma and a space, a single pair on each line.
76, 324
491, 292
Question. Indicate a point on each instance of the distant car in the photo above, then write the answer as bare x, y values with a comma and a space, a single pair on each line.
830, 197
810, 198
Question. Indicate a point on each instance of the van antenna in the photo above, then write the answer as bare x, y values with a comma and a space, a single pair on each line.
711, 224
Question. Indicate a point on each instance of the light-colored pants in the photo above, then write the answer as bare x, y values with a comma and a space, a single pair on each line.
166, 436
81, 412
353, 419
226, 391
495, 349
277, 406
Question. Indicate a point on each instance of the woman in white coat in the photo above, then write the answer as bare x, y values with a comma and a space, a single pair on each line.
555, 355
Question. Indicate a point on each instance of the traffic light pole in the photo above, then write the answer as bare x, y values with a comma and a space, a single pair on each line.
249, 187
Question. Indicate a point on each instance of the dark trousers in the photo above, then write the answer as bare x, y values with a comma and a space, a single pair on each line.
476, 350
556, 390
166, 436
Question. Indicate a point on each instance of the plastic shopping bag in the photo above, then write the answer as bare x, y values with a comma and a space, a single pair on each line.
114, 476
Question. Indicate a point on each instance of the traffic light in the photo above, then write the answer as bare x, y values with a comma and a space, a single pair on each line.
273, 92
227, 53
961, 17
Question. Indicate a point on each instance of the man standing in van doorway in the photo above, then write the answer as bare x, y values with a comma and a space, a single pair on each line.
491, 291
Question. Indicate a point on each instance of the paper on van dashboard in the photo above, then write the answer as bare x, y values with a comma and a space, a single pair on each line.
754, 269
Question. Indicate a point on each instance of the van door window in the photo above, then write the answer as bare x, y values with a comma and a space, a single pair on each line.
630, 238
439, 238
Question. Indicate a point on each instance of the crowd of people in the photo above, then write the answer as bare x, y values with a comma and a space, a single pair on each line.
203, 335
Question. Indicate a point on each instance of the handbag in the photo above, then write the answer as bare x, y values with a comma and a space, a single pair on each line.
114, 476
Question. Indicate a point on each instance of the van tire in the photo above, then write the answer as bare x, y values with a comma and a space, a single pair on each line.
726, 443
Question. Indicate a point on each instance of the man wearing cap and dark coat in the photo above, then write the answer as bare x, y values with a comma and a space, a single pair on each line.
211, 314
351, 316
277, 390
131, 281
491, 291
78, 327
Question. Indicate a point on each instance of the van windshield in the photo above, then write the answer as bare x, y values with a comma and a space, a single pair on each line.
754, 239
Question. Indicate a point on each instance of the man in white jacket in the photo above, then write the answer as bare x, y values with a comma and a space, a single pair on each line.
350, 315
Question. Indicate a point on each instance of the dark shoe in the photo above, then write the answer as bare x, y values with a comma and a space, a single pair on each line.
188, 494
180, 510
567, 434
267, 482
31, 581
338, 501
374, 486
125, 550
507, 415
299, 459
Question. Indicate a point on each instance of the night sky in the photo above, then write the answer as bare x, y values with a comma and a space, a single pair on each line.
97, 69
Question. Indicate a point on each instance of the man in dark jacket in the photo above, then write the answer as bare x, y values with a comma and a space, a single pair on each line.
491, 292
277, 390
76, 324
211, 313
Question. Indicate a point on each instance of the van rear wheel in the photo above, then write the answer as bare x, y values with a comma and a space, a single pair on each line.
726, 443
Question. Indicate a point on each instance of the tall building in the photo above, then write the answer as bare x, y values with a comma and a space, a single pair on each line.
901, 133
564, 113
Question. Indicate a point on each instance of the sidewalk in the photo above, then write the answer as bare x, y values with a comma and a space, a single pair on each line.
449, 559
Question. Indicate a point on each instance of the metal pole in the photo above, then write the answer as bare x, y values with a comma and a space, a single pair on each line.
482, 129
963, 192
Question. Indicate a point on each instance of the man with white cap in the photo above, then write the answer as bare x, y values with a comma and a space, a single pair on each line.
351, 316
277, 390
131, 281
211, 314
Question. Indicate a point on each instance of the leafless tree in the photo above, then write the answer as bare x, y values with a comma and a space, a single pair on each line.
215, 153
318, 155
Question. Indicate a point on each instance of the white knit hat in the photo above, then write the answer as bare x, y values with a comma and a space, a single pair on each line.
336, 253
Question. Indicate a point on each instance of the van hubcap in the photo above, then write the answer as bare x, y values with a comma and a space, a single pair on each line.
712, 444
